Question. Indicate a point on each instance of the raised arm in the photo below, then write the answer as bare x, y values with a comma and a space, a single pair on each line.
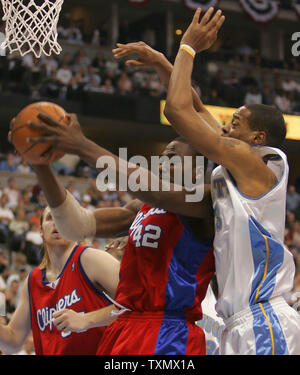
13, 335
148, 56
253, 177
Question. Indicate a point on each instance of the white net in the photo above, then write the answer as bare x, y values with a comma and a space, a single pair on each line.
31, 26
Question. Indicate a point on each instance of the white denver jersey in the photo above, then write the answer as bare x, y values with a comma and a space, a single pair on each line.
252, 263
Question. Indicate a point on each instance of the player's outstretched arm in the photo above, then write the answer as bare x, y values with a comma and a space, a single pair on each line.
77, 223
253, 177
71, 140
148, 56
13, 335
102, 269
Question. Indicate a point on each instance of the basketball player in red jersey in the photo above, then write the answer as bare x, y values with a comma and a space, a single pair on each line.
165, 271
69, 277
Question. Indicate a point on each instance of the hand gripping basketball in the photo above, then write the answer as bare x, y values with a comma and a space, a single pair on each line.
21, 132
67, 139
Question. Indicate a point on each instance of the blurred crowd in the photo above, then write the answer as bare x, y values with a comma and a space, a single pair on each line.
247, 78
229, 75
69, 77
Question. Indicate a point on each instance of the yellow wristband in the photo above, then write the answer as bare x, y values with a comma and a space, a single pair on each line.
188, 49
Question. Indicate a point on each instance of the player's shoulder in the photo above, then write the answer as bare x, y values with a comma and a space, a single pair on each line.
91, 257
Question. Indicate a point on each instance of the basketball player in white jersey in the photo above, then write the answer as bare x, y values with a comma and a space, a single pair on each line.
253, 267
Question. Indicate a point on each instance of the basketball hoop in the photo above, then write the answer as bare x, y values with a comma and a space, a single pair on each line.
31, 26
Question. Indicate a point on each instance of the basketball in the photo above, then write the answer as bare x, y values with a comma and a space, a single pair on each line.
20, 132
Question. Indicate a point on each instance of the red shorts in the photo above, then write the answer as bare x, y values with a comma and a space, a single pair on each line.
145, 333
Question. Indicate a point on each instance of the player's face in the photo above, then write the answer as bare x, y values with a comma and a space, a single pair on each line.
49, 232
178, 149
239, 128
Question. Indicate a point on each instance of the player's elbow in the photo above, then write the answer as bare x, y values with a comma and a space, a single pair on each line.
171, 110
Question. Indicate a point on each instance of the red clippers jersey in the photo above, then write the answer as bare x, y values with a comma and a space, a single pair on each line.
72, 290
165, 267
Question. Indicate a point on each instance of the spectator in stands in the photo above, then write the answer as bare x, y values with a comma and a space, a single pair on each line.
282, 102
99, 61
116, 203
75, 87
64, 75
244, 49
17, 227
81, 59
95, 38
232, 80
153, 85
19, 261
9, 164
217, 83
124, 85
6, 216
267, 97
49, 65
12, 192
73, 35
288, 84
35, 218
253, 96
112, 65
110, 194
93, 86
292, 198
214, 99
51, 86
107, 87
28, 205
11, 295
24, 167
71, 188
92, 75
139, 79
33, 244
248, 80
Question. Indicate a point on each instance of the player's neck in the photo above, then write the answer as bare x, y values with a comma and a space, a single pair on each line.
58, 256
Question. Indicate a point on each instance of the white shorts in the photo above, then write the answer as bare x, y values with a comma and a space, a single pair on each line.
269, 328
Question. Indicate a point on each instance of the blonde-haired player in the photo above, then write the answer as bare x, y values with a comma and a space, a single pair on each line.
69, 281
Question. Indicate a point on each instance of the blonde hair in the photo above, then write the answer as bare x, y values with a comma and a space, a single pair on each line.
46, 260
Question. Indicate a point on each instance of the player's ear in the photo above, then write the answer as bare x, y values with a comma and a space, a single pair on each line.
259, 138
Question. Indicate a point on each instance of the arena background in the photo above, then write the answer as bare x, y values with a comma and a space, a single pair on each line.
121, 107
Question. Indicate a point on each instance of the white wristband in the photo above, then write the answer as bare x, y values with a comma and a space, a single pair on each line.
188, 49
